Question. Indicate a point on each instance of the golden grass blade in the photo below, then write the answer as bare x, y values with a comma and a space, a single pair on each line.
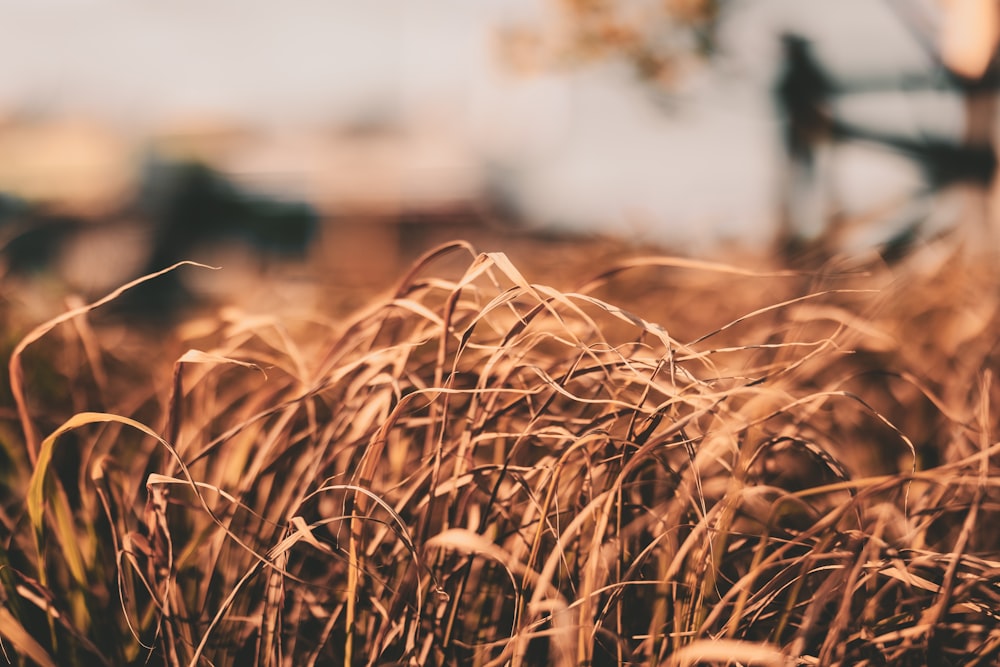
467, 541
726, 652
199, 357
22, 640
38, 497
15, 364
421, 263
682, 263
777, 306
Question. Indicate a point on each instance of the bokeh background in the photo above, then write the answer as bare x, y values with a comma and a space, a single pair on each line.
331, 142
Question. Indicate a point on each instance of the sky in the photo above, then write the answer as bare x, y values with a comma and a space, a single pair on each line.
585, 150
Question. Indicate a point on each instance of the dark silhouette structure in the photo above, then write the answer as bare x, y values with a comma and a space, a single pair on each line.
187, 206
805, 93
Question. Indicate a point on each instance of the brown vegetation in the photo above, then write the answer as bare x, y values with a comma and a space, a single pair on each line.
675, 462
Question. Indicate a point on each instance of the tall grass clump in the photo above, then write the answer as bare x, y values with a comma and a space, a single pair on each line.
674, 463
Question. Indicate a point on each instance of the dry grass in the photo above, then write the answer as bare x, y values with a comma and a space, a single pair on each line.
675, 463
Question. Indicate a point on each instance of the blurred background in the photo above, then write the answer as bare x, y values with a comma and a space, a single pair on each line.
335, 140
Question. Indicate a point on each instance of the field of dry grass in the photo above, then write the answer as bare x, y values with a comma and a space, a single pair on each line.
641, 460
